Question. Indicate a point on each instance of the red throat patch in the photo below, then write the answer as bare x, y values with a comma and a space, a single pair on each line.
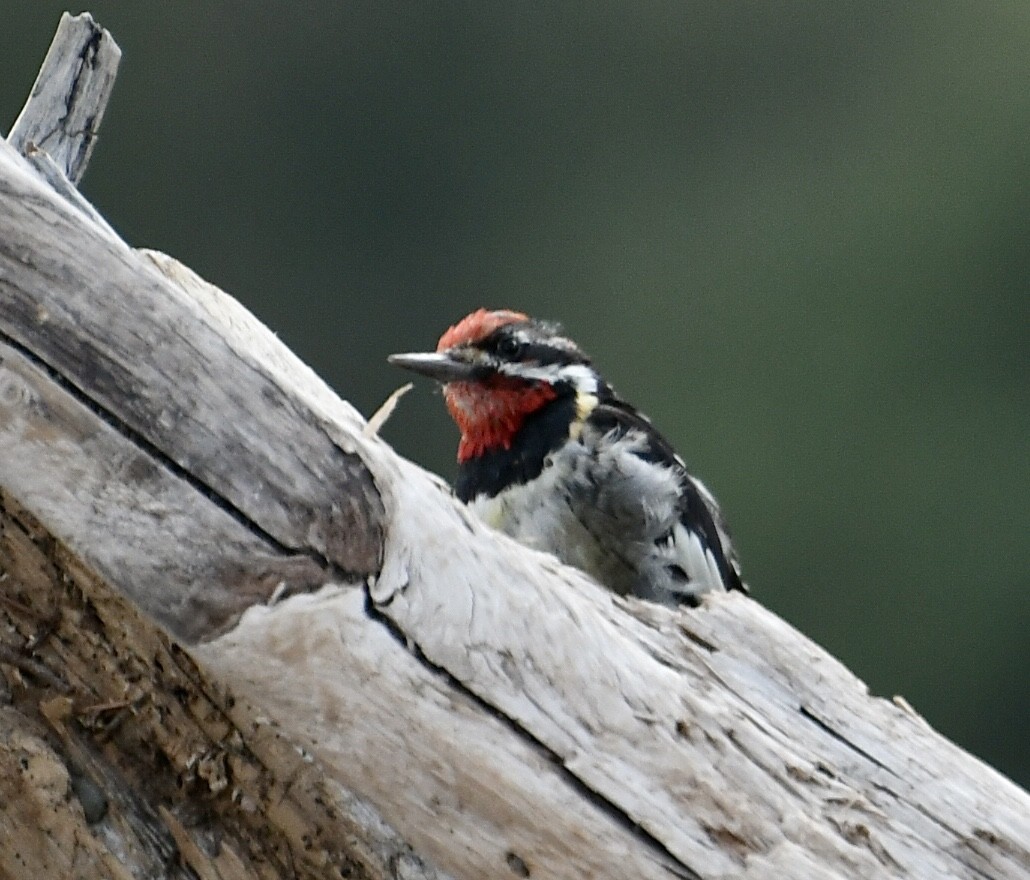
491, 413
480, 324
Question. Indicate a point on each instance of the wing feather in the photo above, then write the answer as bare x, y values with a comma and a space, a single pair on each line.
707, 538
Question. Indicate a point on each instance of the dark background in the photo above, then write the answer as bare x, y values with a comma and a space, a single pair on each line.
795, 233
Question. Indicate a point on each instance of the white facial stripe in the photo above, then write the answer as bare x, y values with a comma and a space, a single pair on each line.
580, 376
563, 343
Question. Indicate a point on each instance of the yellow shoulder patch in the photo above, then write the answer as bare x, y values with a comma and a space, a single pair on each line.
585, 404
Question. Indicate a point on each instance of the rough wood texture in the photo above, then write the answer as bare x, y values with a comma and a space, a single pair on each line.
66, 107
150, 382
119, 757
376, 685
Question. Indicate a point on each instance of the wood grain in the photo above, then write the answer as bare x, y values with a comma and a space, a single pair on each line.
68, 100
240, 637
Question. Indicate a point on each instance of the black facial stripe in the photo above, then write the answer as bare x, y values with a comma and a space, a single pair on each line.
493, 471
528, 342
543, 353
500, 342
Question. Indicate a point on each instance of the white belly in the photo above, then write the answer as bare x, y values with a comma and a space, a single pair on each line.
611, 515
546, 514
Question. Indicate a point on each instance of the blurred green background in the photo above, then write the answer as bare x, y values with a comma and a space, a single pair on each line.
795, 233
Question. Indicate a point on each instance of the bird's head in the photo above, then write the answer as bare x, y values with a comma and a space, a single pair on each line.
497, 369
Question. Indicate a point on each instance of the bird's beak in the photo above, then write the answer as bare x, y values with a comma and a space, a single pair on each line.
435, 365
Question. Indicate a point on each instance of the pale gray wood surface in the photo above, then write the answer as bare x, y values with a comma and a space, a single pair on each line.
157, 368
496, 711
68, 100
739, 746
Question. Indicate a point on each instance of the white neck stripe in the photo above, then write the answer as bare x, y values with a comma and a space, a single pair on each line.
579, 376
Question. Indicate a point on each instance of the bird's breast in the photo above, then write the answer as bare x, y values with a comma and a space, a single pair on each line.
547, 514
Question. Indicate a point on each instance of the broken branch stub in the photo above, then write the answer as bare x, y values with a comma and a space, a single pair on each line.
70, 95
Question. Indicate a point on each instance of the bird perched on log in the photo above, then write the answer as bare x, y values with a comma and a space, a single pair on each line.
552, 456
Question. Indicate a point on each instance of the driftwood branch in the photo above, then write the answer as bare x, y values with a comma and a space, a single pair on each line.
242, 638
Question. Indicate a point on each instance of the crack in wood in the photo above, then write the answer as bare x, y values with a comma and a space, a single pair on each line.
159, 457
667, 860
858, 750
69, 97
88, 132
185, 765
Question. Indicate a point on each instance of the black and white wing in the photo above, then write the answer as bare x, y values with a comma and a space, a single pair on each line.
684, 544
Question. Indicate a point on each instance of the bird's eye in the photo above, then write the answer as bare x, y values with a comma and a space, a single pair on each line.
508, 347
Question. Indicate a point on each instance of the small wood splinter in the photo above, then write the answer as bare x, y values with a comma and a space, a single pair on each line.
380, 416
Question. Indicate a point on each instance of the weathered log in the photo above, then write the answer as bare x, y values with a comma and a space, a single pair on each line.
241, 637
